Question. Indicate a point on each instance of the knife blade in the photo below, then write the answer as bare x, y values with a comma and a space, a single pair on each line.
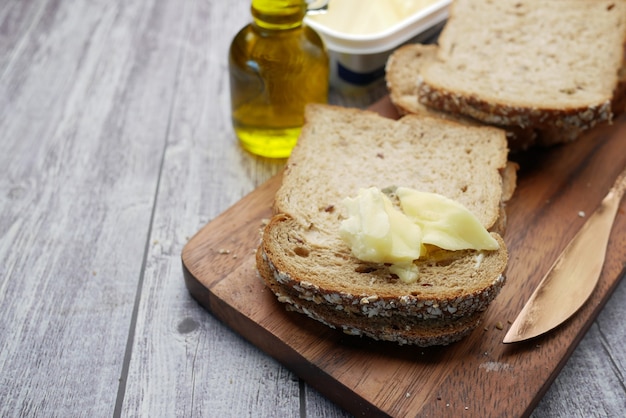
572, 278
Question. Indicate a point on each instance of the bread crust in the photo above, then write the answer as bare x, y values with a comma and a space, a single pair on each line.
505, 114
403, 330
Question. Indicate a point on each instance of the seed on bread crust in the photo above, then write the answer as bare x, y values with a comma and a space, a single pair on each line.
375, 305
509, 115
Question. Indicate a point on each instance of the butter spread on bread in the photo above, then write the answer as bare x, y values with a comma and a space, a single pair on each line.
310, 268
379, 232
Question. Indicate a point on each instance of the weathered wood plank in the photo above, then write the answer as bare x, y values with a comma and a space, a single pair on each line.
184, 362
83, 129
16, 17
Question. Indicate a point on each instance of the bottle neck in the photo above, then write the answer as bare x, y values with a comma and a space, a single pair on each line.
278, 14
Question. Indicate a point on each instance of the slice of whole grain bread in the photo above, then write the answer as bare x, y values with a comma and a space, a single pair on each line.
528, 63
402, 74
308, 266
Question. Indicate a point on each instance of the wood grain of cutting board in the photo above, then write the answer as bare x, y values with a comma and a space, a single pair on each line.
478, 376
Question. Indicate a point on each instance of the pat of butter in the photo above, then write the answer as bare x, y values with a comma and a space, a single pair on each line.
379, 232
364, 17
445, 222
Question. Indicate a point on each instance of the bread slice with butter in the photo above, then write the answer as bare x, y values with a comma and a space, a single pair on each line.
310, 267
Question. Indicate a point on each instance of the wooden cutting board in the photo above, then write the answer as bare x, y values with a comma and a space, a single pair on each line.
478, 376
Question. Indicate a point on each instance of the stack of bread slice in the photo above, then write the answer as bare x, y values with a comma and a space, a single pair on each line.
545, 71
305, 262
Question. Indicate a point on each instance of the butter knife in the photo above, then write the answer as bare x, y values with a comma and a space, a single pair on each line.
573, 276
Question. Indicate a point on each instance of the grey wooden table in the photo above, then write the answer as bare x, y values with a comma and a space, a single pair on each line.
115, 148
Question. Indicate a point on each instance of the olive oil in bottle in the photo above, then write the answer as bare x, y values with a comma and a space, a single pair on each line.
277, 65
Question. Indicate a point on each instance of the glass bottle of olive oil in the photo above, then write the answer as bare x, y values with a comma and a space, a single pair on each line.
277, 65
